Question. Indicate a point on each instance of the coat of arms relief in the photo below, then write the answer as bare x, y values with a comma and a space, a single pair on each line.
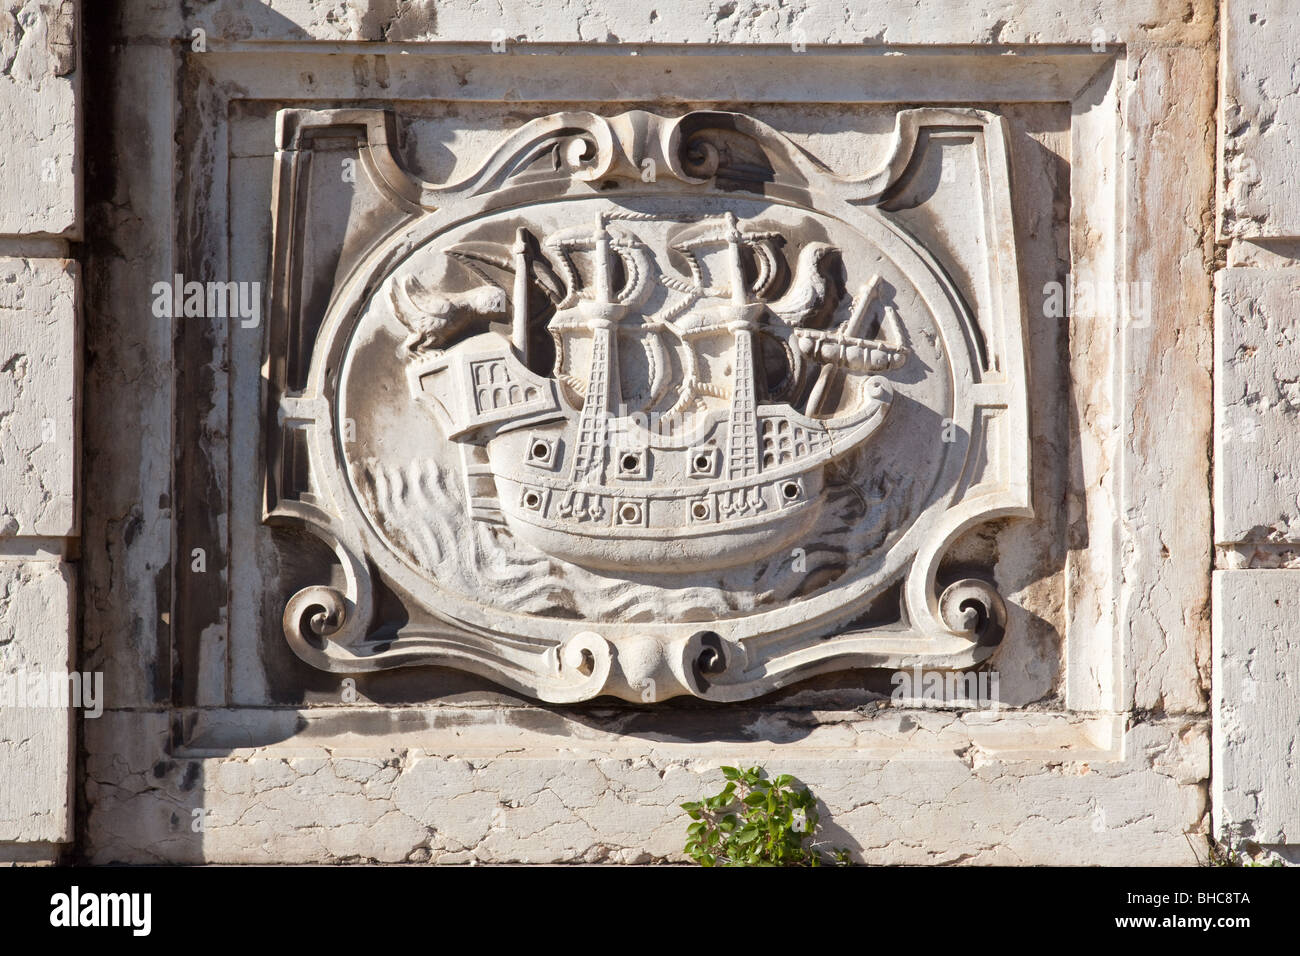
649, 406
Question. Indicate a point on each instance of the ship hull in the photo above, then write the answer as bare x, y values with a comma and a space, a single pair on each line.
611, 542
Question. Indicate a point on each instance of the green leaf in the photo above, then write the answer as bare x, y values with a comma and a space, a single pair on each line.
751, 822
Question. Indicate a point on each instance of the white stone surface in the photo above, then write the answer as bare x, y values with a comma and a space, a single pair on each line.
1257, 389
1126, 614
40, 369
898, 787
38, 114
1261, 120
36, 630
1257, 442
1257, 705
690, 21
40, 365
1162, 472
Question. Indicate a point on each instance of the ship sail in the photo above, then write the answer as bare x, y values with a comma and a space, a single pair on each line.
749, 474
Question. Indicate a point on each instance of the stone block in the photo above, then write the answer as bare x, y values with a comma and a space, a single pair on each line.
1256, 706
36, 731
38, 112
1260, 114
39, 382
1257, 406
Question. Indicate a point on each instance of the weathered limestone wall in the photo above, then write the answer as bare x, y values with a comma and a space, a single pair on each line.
40, 376
219, 744
1256, 476
1137, 652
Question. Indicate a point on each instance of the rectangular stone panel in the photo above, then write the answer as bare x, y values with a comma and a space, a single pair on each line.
38, 113
1256, 708
508, 787
238, 699
1257, 407
1260, 112
901, 22
39, 370
36, 622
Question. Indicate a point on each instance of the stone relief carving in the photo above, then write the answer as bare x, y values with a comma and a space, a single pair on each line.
646, 407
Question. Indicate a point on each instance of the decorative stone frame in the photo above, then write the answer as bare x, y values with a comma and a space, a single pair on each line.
988, 468
1127, 740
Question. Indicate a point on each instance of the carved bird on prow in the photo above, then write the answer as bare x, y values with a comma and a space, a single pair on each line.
435, 319
438, 319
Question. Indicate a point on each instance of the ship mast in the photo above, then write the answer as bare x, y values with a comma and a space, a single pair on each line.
519, 301
603, 313
742, 420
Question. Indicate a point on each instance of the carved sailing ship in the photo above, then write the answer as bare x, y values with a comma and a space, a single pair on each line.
569, 470
519, 511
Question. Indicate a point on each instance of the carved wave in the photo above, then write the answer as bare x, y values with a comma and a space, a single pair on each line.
420, 507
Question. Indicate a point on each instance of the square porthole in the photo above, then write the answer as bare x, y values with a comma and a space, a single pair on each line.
704, 463
790, 492
700, 510
631, 463
541, 452
630, 514
534, 499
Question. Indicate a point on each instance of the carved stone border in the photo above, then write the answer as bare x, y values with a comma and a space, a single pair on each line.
329, 627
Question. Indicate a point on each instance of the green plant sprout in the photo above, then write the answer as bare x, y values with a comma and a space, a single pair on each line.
754, 821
